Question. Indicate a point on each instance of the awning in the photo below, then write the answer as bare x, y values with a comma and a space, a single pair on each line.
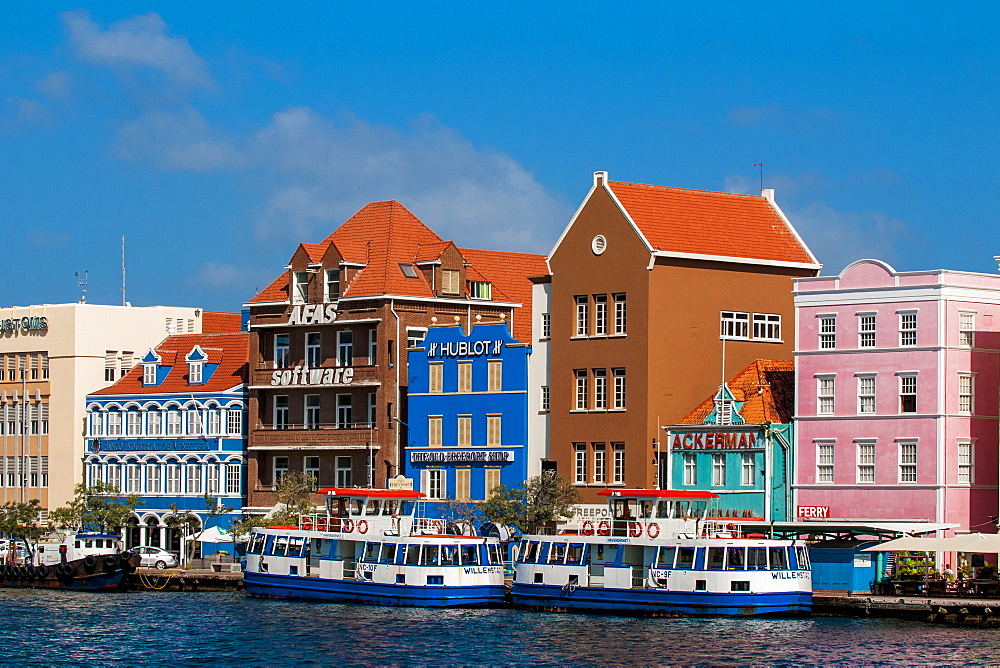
979, 543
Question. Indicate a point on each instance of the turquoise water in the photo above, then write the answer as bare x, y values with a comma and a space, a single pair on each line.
229, 628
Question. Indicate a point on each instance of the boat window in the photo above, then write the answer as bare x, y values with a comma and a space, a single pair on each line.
779, 558
412, 555
371, 552
389, 507
529, 552
735, 558
645, 509
88, 543
756, 558
496, 557
557, 552
356, 506
470, 554
449, 555
280, 543
576, 553
373, 506
431, 555
802, 557
698, 508
405, 508
76, 544
682, 509
388, 553
716, 558
623, 509
685, 557
666, 557
99, 542
295, 546
664, 508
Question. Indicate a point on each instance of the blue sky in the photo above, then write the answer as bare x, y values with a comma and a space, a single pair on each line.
217, 136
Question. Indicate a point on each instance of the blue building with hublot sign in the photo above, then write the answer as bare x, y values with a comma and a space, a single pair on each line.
467, 412
173, 431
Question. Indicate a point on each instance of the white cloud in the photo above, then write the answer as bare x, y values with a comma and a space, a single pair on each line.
55, 85
18, 113
317, 172
140, 41
838, 238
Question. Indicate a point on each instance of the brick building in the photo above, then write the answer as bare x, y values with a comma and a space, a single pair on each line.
329, 337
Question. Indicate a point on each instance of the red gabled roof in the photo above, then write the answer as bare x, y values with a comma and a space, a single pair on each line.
704, 222
509, 273
767, 388
220, 322
230, 351
277, 291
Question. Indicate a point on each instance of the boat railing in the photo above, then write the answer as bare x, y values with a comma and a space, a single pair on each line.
637, 528
721, 529
640, 577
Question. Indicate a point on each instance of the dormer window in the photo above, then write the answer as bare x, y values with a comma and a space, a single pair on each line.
300, 287
332, 283
150, 367
449, 281
480, 290
196, 366
408, 270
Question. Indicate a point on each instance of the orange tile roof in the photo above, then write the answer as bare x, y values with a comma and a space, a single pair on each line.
767, 388
383, 235
220, 322
703, 222
230, 351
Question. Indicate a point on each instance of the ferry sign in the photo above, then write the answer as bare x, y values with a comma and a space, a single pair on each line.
813, 512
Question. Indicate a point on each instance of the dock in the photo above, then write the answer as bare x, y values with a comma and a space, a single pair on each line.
184, 580
936, 610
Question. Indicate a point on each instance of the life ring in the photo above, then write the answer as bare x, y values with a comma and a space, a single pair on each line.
362, 526
307, 523
653, 529
603, 528
348, 526
321, 524
588, 528
636, 529
437, 525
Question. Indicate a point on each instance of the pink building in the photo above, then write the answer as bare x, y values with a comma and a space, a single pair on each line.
897, 395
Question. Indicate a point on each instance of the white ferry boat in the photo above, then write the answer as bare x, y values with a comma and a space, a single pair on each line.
369, 546
660, 553
84, 561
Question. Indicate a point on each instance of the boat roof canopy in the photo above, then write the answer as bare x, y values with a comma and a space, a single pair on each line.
372, 493
660, 493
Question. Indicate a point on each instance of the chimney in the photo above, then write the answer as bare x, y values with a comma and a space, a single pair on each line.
600, 178
768, 194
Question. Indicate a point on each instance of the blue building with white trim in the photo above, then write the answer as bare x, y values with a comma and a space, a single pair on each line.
467, 412
173, 431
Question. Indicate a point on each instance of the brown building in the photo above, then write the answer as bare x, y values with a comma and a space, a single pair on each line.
657, 295
328, 342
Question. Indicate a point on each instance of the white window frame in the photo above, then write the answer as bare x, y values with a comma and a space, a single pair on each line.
134, 423
907, 389
600, 315
345, 347
154, 478
734, 325
314, 348
345, 470
494, 369
234, 479
826, 394
767, 327
600, 463
345, 411
331, 285
545, 399
373, 346
825, 459
966, 393
866, 457
580, 381
282, 350
279, 468
600, 389
279, 411
463, 437
867, 397
149, 374
436, 487
234, 422
618, 463
690, 469
867, 324
966, 329
434, 431
966, 460
827, 332
310, 411
464, 370
907, 329
908, 458
435, 378
546, 326
300, 287
619, 390
748, 469
311, 467
582, 315
718, 469
580, 463
195, 374
494, 431
621, 313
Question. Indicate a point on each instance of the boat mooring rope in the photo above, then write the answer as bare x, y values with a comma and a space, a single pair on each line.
155, 583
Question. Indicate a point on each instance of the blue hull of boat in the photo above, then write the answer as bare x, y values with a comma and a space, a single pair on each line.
661, 602
372, 593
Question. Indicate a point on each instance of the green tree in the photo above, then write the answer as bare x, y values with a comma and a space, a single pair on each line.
189, 524
295, 496
540, 502
98, 507
20, 521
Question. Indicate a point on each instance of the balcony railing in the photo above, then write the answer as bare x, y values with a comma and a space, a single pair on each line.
357, 434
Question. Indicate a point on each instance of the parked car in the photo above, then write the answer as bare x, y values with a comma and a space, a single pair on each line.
155, 557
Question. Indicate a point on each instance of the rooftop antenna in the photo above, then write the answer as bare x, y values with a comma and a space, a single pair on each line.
760, 165
124, 303
82, 283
